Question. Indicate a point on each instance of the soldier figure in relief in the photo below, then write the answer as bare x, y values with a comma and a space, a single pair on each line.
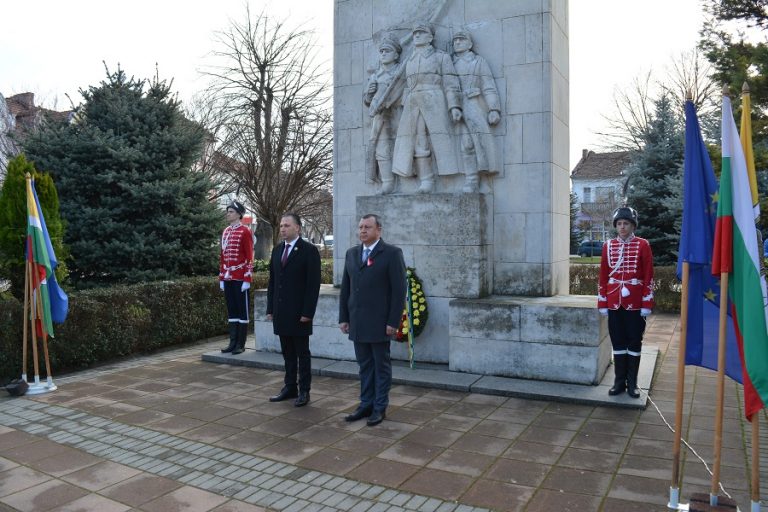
480, 110
383, 97
431, 106
625, 295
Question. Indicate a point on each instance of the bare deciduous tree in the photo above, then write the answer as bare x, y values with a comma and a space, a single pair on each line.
275, 108
633, 106
691, 72
215, 165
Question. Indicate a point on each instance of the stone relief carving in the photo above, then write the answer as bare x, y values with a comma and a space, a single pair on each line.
480, 108
438, 110
431, 105
382, 96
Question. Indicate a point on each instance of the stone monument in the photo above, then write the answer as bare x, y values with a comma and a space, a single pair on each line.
461, 146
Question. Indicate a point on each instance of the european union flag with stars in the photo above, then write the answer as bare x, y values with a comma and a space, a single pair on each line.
696, 239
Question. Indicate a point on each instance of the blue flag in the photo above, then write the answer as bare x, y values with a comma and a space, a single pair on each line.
700, 193
59, 300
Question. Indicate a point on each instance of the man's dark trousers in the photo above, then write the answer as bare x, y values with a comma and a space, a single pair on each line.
375, 374
296, 349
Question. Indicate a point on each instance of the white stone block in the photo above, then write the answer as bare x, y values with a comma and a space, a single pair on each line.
518, 278
483, 10
513, 36
347, 107
536, 39
559, 53
513, 140
509, 233
525, 188
432, 345
525, 93
556, 338
352, 21
537, 137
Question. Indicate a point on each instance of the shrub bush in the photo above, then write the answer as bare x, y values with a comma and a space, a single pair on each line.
666, 289
118, 321
105, 323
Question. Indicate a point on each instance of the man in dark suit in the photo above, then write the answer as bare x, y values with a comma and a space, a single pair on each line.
370, 307
294, 285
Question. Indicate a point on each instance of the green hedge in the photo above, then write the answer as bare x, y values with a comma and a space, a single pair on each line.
106, 323
666, 290
118, 321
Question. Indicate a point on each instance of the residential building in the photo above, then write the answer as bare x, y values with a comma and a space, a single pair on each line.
599, 181
18, 117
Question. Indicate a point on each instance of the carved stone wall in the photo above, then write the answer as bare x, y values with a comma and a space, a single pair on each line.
525, 46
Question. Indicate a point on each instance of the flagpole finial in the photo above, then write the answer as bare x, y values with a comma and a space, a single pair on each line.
688, 95
745, 88
726, 90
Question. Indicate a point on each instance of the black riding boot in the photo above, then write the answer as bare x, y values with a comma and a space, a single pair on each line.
620, 369
232, 338
242, 334
633, 366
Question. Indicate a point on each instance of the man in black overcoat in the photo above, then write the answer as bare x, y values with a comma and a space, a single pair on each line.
294, 285
370, 307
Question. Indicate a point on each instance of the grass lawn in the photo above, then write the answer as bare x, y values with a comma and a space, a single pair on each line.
585, 259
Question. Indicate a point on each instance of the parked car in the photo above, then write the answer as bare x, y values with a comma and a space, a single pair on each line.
328, 241
590, 248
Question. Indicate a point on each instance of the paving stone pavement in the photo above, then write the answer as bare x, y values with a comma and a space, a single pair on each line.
169, 432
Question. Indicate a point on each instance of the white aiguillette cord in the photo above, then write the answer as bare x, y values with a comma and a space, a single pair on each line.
624, 291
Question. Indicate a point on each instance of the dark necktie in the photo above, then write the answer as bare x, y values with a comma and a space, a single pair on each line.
284, 259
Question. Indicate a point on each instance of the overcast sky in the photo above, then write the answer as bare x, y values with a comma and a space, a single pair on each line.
55, 47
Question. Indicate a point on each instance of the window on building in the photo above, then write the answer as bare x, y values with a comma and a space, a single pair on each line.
604, 194
587, 194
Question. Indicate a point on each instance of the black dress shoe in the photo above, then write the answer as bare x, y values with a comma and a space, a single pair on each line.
302, 400
376, 418
359, 414
237, 350
284, 394
633, 392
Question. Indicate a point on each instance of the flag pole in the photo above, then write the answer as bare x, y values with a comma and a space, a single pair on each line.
48, 376
36, 310
674, 486
720, 388
755, 463
746, 143
26, 315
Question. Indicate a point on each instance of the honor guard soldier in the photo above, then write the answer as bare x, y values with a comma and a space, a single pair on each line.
235, 268
625, 295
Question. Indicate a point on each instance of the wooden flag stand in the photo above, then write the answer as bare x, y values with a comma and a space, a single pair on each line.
32, 307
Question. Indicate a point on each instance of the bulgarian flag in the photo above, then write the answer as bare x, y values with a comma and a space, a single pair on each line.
736, 252
37, 254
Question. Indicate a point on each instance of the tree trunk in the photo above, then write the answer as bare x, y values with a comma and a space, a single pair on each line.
262, 248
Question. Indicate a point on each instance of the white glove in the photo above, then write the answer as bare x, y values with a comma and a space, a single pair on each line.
245, 286
221, 285
645, 312
603, 311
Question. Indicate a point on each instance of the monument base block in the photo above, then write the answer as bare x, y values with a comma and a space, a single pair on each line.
560, 338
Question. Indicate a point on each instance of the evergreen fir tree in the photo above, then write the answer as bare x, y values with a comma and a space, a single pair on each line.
135, 210
13, 222
576, 234
655, 182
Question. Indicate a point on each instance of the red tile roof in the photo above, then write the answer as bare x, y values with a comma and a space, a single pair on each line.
602, 165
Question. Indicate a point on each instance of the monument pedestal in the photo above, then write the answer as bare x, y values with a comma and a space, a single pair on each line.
561, 338
446, 237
